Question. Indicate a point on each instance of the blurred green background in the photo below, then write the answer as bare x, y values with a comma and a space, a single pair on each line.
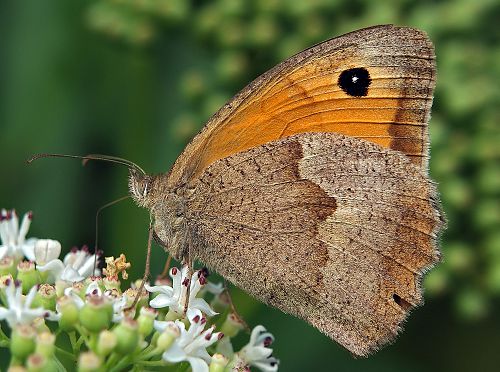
138, 78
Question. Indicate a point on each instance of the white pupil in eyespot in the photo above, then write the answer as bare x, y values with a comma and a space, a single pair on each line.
355, 79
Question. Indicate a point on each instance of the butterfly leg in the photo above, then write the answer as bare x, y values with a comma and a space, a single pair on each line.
146, 269
188, 279
233, 308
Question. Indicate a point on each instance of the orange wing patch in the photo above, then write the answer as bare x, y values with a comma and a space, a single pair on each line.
305, 94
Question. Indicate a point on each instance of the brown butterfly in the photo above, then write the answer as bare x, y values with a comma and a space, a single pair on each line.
310, 188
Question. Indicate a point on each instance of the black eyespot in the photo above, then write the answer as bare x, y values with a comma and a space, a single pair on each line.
355, 81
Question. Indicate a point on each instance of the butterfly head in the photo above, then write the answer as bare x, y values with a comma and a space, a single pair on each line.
141, 187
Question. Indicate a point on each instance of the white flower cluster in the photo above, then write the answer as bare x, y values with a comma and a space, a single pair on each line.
114, 330
191, 344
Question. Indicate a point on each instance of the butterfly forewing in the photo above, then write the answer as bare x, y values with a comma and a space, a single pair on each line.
375, 84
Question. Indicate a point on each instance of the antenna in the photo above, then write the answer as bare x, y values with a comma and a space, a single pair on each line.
86, 158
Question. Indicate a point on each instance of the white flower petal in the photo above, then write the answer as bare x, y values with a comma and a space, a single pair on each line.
87, 268
266, 367
3, 251
197, 364
174, 354
46, 250
71, 275
201, 304
161, 301
257, 352
56, 267
28, 249
225, 347
3, 313
164, 289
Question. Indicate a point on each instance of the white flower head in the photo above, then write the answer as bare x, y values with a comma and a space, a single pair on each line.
118, 302
191, 345
257, 352
13, 236
76, 266
175, 296
18, 310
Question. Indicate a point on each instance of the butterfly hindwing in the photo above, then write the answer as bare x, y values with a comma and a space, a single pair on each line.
329, 228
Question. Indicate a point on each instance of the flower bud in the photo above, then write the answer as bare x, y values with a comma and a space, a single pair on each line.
37, 363
106, 343
131, 293
96, 314
22, 342
232, 325
127, 336
45, 297
27, 275
146, 320
111, 282
45, 344
7, 266
218, 363
16, 369
168, 336
69, 313
89, 362
39, 325
238, 364
61, 285
96, 280
5, 280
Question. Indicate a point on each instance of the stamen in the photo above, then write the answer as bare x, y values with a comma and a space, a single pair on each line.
185, 282
196, 319
174, 271
268, 341
220, 336
204, 272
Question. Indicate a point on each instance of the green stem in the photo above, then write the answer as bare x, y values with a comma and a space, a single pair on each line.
148, 354
151, 363
125, 361
92, 344
113, 358
65, 353
72, 340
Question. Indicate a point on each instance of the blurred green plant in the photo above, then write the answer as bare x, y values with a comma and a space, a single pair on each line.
245, 38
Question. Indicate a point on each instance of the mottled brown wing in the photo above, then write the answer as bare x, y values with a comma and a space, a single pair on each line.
332, 229
305, 94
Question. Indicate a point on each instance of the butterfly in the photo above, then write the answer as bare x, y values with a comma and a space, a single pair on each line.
310, 190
